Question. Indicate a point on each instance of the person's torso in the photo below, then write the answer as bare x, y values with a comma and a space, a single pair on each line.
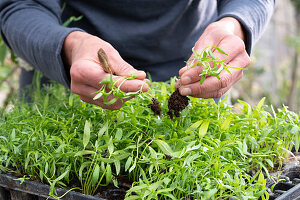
149, 34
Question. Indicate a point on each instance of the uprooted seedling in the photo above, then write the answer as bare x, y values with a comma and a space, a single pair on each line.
155, 107
212, 66
177, 103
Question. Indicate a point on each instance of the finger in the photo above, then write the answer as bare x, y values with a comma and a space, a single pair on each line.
122, 68
133, 85
116, 106
177, 84
233, 45
203, 42
212, 84
92, 75
215, 94
87, 94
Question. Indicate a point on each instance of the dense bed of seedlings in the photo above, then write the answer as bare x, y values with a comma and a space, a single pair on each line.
209, 152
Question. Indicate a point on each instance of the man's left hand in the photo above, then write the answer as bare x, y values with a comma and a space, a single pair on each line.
227, 34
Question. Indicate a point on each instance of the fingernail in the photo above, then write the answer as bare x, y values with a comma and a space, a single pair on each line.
185, 91
186, 80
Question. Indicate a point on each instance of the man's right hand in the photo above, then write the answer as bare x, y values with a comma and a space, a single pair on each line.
80, 53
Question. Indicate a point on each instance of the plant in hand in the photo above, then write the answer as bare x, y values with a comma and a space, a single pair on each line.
212, 66
113, 86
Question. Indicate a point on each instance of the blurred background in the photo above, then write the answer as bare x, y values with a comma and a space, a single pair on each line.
274, 72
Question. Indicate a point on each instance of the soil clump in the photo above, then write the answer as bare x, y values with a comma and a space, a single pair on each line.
176, 104
155, 107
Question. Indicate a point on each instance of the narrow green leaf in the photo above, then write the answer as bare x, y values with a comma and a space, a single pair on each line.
128, 163
108, 174
270, 163
111, 101
84, 152
98, 96
226, 123
117, 166
119, 134
193, 127
203, 129
86, 134
102, 130
260, 103
220, 50
110, 146
96, 175
164, 147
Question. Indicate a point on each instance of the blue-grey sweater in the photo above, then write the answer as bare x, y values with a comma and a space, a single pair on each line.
152, 35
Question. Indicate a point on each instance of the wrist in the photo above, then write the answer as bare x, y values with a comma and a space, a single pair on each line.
70, 41
234, 26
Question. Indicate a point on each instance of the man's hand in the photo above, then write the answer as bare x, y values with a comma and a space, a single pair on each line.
80, 53
228, 35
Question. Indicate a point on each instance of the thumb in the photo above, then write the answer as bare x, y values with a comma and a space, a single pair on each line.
122, 68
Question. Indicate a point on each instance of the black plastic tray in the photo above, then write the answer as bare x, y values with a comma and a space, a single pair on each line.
291, 194
11, 189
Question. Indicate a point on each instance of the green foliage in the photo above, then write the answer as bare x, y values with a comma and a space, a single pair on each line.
112, 86
207, 153
212, 66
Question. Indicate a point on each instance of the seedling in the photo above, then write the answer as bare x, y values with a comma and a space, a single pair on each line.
112, 85
212, 66
206, 154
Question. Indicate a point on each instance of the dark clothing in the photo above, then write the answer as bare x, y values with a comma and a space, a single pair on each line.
153, 35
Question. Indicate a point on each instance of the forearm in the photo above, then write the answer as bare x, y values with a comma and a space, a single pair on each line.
252, 14
34, 33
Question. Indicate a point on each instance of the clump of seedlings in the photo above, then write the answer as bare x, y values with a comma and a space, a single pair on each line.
205, 154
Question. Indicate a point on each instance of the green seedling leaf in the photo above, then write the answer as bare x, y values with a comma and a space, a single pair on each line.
96, 175
225, 125
203, 129
164, 147
163, 90
117, 166
236, 67
108, 174
209, 194
103, 130
133, 166
193, 127
128, 163
260, 103
110, 146
119, 134
203, 76
220, 50
270, 163
111, 101
71, 97
98, 96
84, 152
86, 134
211, 54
